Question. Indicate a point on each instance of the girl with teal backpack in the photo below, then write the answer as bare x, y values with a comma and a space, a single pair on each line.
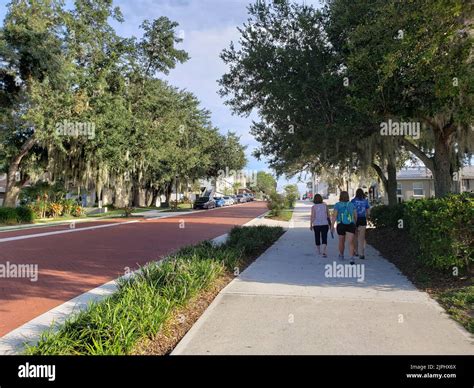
345, 215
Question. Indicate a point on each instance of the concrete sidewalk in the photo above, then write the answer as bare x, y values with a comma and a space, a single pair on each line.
284, 304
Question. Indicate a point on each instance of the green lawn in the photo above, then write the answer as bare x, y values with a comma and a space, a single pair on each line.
110, 213
285, 215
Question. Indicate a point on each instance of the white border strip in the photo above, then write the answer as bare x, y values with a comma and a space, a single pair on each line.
16, 238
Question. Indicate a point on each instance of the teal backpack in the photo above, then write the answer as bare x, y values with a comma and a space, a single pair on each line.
346, 216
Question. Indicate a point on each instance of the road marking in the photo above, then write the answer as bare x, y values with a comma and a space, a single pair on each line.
63, 231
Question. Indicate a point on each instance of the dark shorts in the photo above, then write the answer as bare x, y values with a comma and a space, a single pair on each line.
361, 221
342, 229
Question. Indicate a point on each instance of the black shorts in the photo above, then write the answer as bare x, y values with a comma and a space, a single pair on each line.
342, 229
362, 221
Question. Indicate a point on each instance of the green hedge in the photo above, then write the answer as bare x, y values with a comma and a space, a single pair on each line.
442, 227
19, 215
384, 216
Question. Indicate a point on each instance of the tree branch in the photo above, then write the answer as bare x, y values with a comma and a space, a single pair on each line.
380, 173
428, 162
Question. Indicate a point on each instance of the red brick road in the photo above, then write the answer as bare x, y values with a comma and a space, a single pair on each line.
73, 263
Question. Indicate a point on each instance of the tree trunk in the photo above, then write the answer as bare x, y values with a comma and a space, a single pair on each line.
169, 190
136, 195
12, 189
390, 183
154, 197
443, 180
391, 187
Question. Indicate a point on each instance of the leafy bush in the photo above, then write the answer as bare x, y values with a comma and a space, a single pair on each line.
127, 211
292, 195
68, 206
253, 240
383, 216
24, 215
443, 228
42, 191
276, 203
78, 211
19, 215
40, 208
8, 215
56, 209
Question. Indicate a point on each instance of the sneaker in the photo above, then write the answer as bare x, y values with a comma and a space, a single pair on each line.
341, 257
352, 260
362, 257
356, 255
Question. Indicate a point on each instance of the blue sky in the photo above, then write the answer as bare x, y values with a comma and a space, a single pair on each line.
207, 26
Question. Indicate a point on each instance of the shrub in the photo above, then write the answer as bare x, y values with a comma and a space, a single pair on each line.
42, 190
127, 211
56, 209
19, 215
444, 230
8, 215
383, 216
276, 204
78, 211
291, 200
292, 195
68, 206
24, 215
252, 240
39, 208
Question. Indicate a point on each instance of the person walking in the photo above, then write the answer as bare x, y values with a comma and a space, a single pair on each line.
319, 224
363, 211
345, 215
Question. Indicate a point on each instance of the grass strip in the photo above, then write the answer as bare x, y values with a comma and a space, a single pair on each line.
460, 305
143, 304
285, 215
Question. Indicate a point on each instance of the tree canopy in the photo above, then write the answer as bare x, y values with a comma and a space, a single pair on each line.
86, 106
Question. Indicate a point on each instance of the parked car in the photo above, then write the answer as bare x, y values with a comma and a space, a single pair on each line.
228, 200
220, 201
204, 203
241, 198
251, 197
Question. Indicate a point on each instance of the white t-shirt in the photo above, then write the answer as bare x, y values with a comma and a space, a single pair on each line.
320, 214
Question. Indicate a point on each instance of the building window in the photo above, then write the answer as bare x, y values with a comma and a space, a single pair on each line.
399, 189
418, 189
